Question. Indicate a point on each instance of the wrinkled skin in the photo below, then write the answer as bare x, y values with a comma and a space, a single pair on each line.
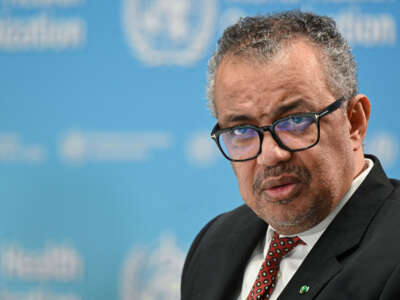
292, 191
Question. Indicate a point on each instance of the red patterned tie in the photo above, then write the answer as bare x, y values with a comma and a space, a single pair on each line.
266, 278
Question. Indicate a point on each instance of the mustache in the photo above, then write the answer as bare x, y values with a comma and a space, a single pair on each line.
300, 173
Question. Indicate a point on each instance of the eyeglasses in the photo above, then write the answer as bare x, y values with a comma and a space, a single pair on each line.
293, 133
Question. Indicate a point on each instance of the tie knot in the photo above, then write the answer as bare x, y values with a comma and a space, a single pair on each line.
267, 276
280, 246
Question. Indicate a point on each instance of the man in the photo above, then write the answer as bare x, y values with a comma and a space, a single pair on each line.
320, 220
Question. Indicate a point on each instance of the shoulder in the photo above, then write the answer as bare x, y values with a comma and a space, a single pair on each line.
396, 187
388, 215
233, 234
222, 226
224, 223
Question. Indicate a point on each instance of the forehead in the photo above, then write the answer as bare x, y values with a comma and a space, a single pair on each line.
256, 87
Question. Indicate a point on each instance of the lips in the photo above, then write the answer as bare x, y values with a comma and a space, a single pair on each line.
281, 189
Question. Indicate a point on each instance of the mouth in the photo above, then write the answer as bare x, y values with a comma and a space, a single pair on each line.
282, 189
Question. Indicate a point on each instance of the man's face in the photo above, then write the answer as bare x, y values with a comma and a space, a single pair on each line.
290, 191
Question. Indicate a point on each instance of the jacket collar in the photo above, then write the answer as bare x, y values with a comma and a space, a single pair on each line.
343, 234
236, 247
223, 257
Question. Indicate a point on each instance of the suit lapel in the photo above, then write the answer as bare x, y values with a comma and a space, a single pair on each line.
235, 248
341, 237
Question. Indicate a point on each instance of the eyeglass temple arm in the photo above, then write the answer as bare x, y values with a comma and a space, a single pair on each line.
334, 106
216, 127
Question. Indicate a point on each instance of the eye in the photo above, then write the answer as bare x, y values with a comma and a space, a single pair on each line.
240, 131
239, 136
294, 123
297, 120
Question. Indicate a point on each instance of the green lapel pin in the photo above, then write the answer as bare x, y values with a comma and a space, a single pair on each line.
304, 289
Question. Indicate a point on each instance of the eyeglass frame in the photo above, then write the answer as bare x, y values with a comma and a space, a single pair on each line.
217, 131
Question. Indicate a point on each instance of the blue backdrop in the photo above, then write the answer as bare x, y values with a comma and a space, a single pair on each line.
107, 170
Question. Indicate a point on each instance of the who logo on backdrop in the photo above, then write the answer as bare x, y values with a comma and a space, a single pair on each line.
162, 32
153, 273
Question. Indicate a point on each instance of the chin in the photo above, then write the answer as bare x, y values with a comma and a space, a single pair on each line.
290, 222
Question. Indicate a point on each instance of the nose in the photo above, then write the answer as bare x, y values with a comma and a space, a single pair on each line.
271, 153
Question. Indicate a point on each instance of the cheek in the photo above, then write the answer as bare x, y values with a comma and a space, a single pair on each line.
335, 146
332, 166
244, 173
336, 136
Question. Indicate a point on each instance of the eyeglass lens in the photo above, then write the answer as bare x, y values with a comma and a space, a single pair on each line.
295, 132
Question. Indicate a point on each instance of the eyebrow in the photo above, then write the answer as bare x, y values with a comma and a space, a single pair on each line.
239, 118
290, 106
277, 112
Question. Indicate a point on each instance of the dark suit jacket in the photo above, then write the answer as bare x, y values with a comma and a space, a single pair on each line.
356, 258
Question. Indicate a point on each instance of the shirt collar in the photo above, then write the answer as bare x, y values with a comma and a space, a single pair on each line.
311, 236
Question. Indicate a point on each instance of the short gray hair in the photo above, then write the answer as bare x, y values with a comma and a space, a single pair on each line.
264, 36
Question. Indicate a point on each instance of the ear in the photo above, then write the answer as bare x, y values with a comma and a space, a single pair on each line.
358, 114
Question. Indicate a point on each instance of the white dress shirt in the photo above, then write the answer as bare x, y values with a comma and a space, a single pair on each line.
291, 262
